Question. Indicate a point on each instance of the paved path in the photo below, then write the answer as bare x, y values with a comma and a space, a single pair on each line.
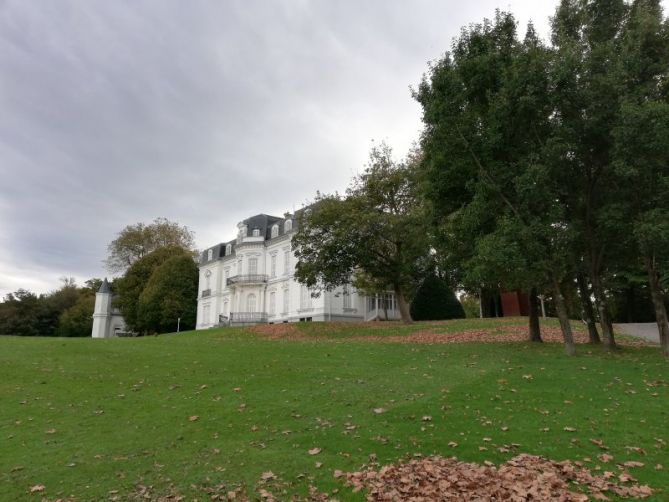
646, 330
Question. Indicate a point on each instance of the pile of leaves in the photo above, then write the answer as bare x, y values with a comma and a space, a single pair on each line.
524, 477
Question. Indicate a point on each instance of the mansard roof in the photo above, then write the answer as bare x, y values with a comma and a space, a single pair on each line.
262, 222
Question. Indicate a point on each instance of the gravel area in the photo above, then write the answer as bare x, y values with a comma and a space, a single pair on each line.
646, 330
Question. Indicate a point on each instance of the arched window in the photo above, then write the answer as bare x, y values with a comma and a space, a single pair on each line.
256, 232
275, 231
207, 279
287, 226
228, 250
251, 303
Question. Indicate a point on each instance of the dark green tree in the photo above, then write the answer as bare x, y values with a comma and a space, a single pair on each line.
376, 230
77, 320
169, 295
435, 300
130, 287
487, 114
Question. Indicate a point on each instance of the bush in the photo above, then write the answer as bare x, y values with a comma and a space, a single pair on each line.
435, 300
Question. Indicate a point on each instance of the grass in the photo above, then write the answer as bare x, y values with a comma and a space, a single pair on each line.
89, 419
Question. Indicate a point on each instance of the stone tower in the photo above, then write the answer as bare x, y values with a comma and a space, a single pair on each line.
103, 311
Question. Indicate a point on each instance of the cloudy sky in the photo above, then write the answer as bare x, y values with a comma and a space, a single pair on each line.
204, 112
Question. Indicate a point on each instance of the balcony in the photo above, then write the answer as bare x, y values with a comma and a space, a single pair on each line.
206, 293
243, 318
246, 279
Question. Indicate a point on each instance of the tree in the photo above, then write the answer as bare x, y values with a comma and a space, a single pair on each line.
435, 300
136, 241
130, 287
18, 314
169, 295
77, 320
377, 231
487, 174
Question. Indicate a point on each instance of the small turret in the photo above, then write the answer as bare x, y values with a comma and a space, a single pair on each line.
103, 311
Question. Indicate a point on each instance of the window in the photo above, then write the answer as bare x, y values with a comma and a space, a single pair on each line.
275, 231
226, 275
347, 298
251, 303
210, 254
273, 266
305, 298
286, 262
253, 266
207, 279
206, 311
256, 232
239, 267
286, 301
245, 231
272, 303
225, 309
228, 250
287, 226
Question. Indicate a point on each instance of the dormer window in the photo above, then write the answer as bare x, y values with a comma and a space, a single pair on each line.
288, 226
244, 231
256, 232
210, 254
228, 250
275, 231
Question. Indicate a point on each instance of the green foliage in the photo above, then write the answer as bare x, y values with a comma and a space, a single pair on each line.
435, 300
130, 287
471, 306
378, 231
170, 293
136, 241
23, 313
77, 320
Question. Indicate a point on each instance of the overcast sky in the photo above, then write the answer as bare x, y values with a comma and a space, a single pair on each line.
204, 112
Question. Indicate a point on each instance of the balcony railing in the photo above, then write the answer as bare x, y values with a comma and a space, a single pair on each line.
246, 279
206, 292
247, 318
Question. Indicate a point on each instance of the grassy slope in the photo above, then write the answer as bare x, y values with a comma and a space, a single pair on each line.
85, 417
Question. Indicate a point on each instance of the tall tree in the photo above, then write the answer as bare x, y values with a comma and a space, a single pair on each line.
377, 229
169, 298
487, 110
130, 287
136, 241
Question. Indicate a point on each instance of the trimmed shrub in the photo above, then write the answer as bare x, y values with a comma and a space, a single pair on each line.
434, 301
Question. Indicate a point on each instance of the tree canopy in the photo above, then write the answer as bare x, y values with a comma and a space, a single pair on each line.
376, 232
138, 240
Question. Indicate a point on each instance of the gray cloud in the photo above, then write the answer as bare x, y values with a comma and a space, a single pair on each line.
204, 112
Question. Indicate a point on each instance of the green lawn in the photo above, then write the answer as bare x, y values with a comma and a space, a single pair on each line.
89, 418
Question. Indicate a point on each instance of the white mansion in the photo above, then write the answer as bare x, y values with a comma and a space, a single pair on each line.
250, 280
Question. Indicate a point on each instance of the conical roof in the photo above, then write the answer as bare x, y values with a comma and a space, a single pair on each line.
104, 287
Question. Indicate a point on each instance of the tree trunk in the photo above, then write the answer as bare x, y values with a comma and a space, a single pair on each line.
658, 304
586, 305
403, 305
603, 309
569, 347
535, 330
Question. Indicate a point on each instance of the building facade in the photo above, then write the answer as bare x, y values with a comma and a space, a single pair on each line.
249, 280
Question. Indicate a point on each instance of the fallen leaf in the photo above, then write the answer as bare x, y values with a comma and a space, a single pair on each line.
36, 488
314, 451
378, 411
193, 418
